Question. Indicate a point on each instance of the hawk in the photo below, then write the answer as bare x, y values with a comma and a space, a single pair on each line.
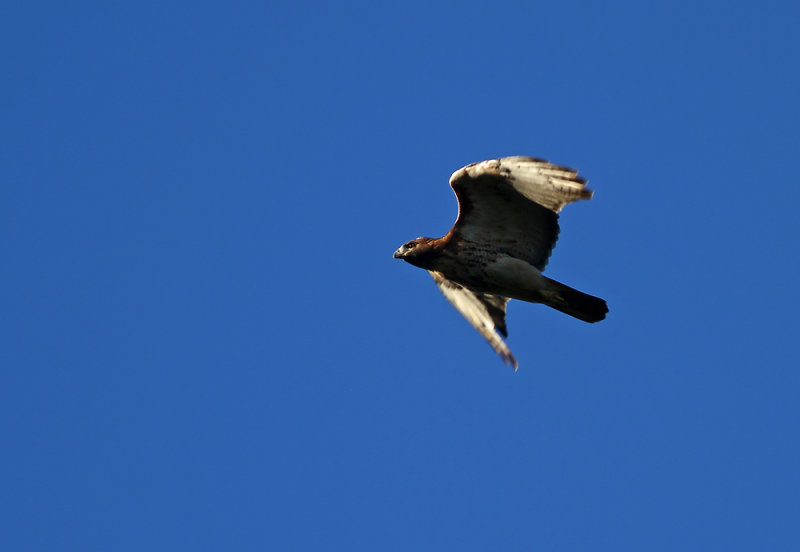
506, 228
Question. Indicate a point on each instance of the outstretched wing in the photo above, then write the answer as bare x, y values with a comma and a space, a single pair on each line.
513, 203
486, 312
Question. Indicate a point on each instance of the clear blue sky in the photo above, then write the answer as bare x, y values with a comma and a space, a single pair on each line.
206, 343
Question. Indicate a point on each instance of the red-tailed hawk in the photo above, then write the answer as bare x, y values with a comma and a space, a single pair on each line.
506, 228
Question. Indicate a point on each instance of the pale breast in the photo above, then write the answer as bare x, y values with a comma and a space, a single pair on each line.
467, 263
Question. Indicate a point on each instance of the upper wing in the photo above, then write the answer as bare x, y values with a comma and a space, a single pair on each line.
484, 311
513, 203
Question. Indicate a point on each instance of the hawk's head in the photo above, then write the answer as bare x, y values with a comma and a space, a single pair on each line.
418, 252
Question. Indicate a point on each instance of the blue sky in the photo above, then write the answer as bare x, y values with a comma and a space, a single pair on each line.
208, 345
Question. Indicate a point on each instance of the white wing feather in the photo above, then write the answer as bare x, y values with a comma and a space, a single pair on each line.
549, 185
476, 311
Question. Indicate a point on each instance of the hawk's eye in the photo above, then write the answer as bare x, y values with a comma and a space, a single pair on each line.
411, 245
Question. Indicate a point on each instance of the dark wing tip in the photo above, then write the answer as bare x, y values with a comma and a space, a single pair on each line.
509, 359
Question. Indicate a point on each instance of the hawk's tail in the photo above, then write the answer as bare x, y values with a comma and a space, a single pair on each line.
573, 302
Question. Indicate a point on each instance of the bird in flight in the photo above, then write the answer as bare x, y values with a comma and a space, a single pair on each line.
507, 226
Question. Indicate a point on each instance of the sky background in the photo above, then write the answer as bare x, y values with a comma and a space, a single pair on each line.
206, 343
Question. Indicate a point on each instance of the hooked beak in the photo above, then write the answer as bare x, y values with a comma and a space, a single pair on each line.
397, 254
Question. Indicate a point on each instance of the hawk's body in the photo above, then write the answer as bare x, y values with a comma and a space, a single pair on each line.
506, 229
